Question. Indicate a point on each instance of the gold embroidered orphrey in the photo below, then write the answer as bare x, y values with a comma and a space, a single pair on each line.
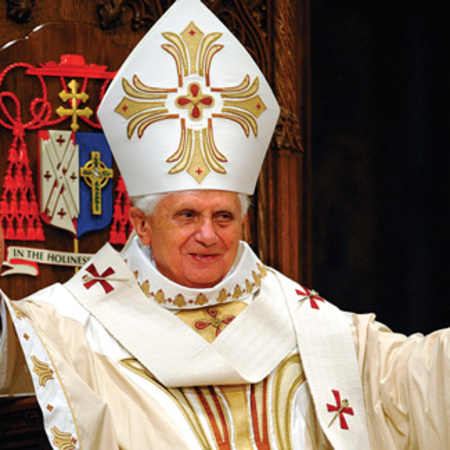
63, 441
240, 413
197, 152
42, 370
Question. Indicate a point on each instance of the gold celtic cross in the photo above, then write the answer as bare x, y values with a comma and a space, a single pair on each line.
75, 98
96, 175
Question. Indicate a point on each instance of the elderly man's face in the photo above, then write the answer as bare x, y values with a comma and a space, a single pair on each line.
194, 236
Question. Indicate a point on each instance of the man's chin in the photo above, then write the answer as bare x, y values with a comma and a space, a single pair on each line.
203, 279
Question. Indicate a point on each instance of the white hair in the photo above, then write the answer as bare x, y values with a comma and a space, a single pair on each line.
148, 203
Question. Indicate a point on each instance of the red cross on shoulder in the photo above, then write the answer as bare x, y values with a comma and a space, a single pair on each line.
311, 295
341, 408
104, 279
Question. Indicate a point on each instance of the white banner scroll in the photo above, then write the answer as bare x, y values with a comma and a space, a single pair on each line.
26, 260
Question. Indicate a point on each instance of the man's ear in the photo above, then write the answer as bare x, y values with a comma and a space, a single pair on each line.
141, 224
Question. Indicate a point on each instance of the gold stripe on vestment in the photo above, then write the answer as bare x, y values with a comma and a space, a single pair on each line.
237, 403
289, 373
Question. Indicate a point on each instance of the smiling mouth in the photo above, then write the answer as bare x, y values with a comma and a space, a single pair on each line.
203, 257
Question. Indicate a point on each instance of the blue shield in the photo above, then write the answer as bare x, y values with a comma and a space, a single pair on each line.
96, 182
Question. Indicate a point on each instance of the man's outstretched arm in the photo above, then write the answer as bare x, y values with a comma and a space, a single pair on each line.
406, 383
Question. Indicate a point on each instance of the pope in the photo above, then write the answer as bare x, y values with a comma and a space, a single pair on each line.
186, 339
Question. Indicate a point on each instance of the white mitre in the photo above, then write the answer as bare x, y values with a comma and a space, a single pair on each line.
189, 108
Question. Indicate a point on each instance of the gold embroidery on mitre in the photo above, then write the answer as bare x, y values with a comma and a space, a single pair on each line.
192, 37
184, 150
212, 155
145, 107
242, 104
63, 441
42, 370
195, 101
198, 150
197, 153
207, 51
198, 168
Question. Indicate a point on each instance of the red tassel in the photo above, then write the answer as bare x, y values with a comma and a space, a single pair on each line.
39, 232
34, 211
113, 237
24, 206
8, 182
12, 154
9, 230
20, 234
4, 209
13, 206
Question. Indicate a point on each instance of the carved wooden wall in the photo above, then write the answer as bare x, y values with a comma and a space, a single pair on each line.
104, 31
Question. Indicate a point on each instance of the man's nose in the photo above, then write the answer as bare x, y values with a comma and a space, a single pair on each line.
206, 232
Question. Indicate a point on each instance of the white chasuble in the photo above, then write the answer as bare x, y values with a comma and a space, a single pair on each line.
121, 357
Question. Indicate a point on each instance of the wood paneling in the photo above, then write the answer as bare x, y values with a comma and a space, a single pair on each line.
21, 424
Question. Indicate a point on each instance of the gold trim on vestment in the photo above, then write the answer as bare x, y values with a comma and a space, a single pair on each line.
42, 370
177, 395
202, 299
231, 409
62, 440
207, 324
287, 374
55, 371
238, 407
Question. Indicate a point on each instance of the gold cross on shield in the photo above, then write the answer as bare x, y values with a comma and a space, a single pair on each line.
96, 175
75, 98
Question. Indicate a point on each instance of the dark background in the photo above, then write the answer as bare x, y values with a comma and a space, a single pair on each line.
380, 82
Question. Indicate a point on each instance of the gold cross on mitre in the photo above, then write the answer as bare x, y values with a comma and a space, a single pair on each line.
96, 175
75, 98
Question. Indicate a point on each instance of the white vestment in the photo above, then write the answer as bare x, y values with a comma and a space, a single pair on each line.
121, 357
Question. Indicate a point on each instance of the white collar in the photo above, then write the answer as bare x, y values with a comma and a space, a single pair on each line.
243, 280
251, 346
